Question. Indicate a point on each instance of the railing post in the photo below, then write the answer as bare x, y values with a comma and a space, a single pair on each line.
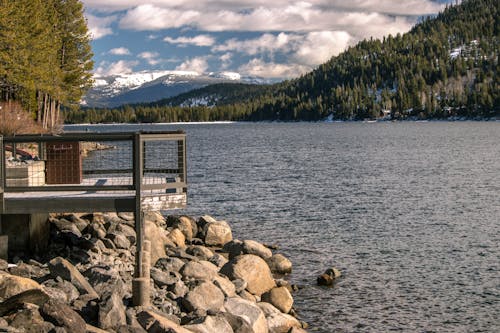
140, 283
181, 158
2, 175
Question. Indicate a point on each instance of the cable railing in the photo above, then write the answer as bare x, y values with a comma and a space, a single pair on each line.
150, 166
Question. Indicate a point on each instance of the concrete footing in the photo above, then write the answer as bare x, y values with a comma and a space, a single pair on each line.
141, 291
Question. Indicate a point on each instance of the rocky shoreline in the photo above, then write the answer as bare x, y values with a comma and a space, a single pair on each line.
202, 280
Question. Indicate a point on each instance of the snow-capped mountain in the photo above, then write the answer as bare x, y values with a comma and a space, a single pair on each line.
143, 87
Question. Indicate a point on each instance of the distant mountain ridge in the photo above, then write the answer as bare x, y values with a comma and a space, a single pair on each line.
149, 86
444, 67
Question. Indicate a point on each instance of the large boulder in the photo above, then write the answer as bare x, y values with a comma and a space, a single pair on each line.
280, 297
61, 314
154, 322
277, 321
177, 237
64, 269
279, 264
249, 312
238, 324
29, 320
210, 324
253, 270
194, 270
226, 286
64, 225
217, 233
186, 225
156, 235
204, 296
253, 247
111, 308
11, 285
32, 296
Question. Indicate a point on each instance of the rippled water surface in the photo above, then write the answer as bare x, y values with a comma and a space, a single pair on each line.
409, 212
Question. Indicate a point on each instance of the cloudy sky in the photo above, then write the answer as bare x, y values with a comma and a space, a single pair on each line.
273, 39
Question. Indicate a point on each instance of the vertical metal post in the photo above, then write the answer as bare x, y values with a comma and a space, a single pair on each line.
2, 176
139, 221
181, 160
140, 283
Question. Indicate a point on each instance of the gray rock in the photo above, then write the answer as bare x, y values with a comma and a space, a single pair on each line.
279, 264
226, 286
217, 233
155, 217
97, 230
33, 296
65, 226
162, 278
210, 324
204, 296
197, 271
61, 314
180, 253
253, 270
253, 247
111, 308
156, 236
249, 312
70, 291
120, 241
200, 252
29, 320
79, 222
64, 269
126, 216
238, 324
240, 285
177, 237
156, 323
179, 289
277, 321
280, 297
29, 271
170, 264
127, 231
11, 285
204, 220
218, 260
100, 274
234, 248
186, 225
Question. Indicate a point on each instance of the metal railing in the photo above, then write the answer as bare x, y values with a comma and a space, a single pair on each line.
144, 163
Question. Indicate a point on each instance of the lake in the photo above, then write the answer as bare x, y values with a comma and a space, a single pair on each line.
408, 211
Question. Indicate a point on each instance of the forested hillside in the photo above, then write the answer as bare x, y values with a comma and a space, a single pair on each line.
45, 57
446, 66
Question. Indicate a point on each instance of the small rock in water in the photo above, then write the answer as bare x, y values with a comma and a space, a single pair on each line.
328, 277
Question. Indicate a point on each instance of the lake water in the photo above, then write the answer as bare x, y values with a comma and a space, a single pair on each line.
408, 211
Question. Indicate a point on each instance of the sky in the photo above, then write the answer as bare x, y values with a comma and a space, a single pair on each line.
271, 39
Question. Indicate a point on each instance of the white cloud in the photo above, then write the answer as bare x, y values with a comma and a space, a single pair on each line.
200, 40
119, 67
149, 17
280, 15
226, 60
318, 47
196, 64
99, 26
258, 67
308, 49
119, 51
265, 43
153, 58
